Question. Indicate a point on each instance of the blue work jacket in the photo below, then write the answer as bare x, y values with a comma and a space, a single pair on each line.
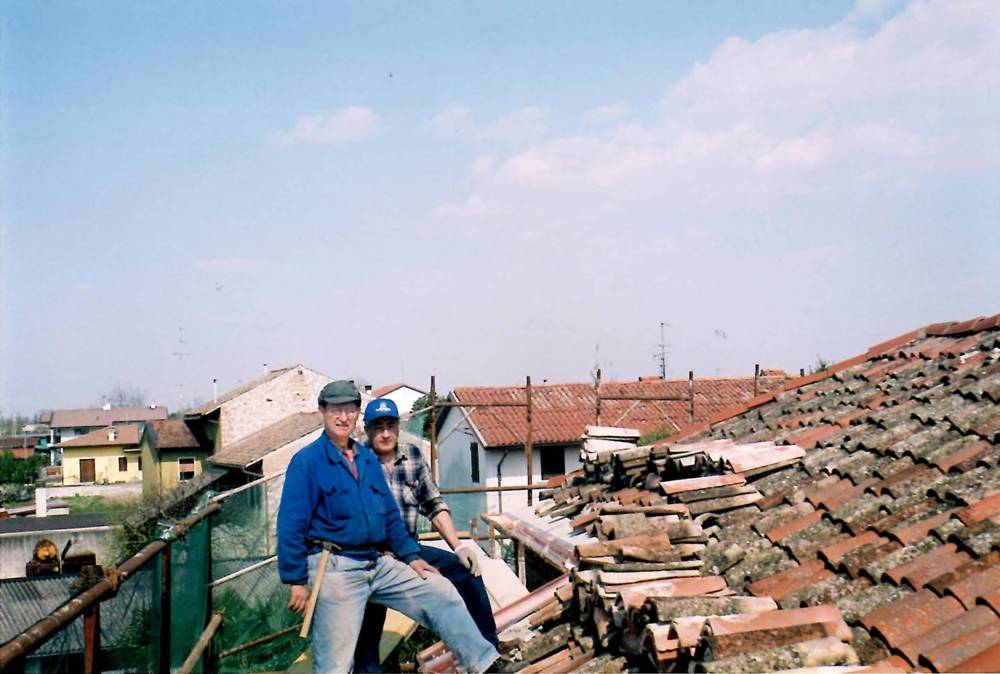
322, 500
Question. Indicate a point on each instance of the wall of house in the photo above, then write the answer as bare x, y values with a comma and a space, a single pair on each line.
105, 464
150, 460
404, 397
17, 548
455, 468
291, 392
514, 470
168, 467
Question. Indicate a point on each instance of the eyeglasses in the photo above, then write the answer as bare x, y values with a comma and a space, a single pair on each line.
345, 411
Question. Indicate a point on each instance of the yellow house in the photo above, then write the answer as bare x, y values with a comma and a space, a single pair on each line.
104, 456
172, 454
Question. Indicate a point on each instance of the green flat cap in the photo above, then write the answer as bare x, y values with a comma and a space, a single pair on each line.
340, 391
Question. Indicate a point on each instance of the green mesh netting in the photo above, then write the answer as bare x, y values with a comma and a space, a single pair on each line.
254, 604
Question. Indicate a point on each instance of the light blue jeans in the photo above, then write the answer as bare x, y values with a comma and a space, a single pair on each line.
349, 584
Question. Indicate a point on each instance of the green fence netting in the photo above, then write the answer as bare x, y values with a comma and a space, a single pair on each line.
255, 603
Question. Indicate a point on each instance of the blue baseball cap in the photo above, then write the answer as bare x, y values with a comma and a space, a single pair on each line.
380, 407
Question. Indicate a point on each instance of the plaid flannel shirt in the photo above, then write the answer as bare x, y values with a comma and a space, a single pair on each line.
412, 484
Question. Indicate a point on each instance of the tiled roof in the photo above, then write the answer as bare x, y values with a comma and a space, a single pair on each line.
172, 434
17, 441
101, 417
560, 412
389, 388
123, 435
874, 544
254, 447
240, 390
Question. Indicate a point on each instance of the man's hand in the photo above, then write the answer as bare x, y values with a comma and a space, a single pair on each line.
423, 568
466, 553
300, 597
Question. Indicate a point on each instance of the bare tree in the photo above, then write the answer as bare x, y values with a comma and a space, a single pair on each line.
126, 396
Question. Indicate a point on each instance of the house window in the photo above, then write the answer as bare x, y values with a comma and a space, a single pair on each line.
122, 464
186, 468
474, 460
139, 461
553, 462
79, 431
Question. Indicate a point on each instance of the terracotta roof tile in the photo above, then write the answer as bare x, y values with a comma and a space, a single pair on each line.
111, 436
942, 582
980, 584
798, 524
910, 533
985, 661
992, 600
944, 632
947, 657
835, 551
928, 566
811, 436
560, 412
892, 664
855, 561
780, 585
899, 621
257, 445
172, 434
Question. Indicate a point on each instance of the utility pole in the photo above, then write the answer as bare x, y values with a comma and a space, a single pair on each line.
661, 356
180, 354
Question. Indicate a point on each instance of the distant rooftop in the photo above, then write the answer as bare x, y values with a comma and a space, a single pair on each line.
85, 418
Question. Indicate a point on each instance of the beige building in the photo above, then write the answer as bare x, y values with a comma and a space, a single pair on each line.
173, 453
104, 456
260, 403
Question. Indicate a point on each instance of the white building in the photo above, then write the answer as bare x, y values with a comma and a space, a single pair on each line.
403, 395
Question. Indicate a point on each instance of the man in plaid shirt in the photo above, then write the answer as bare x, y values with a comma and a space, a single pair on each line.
412, 484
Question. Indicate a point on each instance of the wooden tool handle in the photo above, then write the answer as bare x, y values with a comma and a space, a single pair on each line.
314, 594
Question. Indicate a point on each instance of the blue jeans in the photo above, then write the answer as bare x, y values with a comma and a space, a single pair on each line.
471, 589
350, 583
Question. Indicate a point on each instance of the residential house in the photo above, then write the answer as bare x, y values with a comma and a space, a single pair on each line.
172, 452
485, 445
24, 446
403, 395
68, 424
107, 455
259, 403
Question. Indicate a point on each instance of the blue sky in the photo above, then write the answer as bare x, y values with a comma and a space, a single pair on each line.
485, 190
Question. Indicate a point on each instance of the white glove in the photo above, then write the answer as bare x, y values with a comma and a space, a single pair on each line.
467, 554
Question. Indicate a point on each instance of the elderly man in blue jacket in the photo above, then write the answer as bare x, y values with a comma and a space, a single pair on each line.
336, 496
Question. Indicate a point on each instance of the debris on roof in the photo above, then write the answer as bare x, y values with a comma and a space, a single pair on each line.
850, 520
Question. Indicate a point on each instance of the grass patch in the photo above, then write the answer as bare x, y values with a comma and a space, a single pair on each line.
656, 434
100, 504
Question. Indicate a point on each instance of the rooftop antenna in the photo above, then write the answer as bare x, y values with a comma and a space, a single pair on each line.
180, 354
664, 351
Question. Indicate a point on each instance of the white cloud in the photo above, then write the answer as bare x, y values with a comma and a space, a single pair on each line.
521, 126
608, 113
343, 126
471, 207
451, 122
836, 110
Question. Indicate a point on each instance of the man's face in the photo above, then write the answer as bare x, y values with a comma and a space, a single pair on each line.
383, 434
339, 421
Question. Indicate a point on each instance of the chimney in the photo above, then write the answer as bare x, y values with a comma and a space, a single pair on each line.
215, 390
112, 435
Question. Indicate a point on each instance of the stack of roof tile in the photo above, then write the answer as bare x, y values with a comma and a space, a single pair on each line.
851, 519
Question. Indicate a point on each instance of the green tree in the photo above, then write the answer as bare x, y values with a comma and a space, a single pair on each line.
19, 471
